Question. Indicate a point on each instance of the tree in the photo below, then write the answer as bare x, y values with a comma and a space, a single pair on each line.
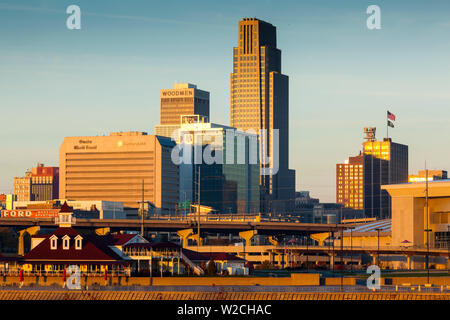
266, 265
212, 268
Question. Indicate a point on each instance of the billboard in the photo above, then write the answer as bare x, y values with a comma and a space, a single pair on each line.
27, 213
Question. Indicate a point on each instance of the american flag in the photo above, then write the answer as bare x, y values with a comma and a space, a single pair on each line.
391, 116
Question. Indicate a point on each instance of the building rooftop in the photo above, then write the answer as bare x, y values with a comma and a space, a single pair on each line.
94, 249
184, 86
128, 133
384, 226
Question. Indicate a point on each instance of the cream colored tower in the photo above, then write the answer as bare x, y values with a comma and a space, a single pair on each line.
260, 100
112, 168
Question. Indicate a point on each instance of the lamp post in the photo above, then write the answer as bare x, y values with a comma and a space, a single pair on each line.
198, 211
448, 248
351, 249
329, 244
428, 254
307, 253
378, 246
342, 258
332, 236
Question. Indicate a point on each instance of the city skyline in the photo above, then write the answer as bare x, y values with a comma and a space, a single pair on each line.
64, 71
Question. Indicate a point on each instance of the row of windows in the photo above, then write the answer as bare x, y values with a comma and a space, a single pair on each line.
65, 243
165, 101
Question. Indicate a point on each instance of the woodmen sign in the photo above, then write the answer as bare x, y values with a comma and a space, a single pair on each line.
26, 213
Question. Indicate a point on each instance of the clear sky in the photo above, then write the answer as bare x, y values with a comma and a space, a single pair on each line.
56, 82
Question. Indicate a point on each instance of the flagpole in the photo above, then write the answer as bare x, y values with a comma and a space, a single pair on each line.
387, 125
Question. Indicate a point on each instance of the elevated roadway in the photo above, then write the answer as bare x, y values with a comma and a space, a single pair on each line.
262, 227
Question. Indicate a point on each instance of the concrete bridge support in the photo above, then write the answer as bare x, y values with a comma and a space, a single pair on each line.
102, 231
197, 238
408, 261
247, 236
22, 234
184, 235
331, 261
273, 240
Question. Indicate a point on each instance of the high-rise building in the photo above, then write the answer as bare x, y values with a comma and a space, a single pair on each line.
432, 175
385, 162
41, 183
113, 167
359, 179
260, 100
229, 178
183, 99
349, 183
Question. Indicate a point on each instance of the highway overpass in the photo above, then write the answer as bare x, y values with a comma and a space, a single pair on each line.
262, 227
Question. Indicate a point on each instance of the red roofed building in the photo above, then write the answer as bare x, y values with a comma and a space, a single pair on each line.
116, 253
66, 246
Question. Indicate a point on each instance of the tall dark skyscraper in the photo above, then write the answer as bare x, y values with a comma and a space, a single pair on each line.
260, 100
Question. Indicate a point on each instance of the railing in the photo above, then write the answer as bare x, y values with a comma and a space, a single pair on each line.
293, 289
337, 247
197, 269
224, 217
15, 273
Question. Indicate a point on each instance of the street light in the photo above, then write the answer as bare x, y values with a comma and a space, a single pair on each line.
351, 248
378, 246
428, 254
342, 258
332, 236
307, 253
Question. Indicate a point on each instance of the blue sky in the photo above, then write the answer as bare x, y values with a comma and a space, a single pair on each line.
56, 82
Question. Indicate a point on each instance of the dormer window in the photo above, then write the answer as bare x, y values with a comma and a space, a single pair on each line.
53, 242
78, 242
66, 242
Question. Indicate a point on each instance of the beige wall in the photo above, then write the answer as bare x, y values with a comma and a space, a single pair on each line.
113, 167
409, 213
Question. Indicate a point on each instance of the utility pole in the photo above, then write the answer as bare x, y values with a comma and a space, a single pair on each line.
307, 253
378, 246
342, 258
448, 248
332, 235
185, 204
427, 230
142, 210
198, 211
351, 249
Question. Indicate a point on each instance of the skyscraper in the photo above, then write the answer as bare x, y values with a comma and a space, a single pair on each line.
260, 100
41, 183
183, 99
385, 162
349, 182
113, 167
359, 180
230, 184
